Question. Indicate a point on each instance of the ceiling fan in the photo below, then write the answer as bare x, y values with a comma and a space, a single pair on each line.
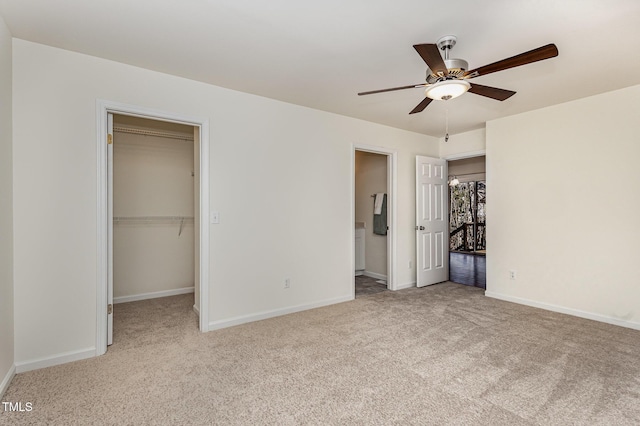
447, 78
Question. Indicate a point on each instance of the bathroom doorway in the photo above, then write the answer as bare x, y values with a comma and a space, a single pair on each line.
373, 217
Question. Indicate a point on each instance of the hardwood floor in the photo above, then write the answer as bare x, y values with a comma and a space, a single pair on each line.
464, 268
468, 269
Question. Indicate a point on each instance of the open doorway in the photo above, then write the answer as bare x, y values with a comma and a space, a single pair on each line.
373, 220
467, 221
154, 246
105, 110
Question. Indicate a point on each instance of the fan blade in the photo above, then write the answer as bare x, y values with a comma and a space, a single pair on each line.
392, 89
491, 92
421, 106
431, 55
535, 55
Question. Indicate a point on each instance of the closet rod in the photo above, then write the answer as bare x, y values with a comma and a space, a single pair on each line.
151, 218
156, 133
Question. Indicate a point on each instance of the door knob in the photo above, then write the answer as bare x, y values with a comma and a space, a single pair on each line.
420, 228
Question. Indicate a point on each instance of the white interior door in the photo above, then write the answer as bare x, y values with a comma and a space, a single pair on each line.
432, 223
109, 229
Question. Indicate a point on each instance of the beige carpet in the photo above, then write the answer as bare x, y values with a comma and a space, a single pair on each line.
442, 355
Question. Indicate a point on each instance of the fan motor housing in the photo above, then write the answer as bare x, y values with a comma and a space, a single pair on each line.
456, 67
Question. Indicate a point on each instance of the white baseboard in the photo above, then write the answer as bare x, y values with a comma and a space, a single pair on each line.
58, 359
359, 272
7, 380
563, 310
374, 275
196, 310
154, 295
216, 325
405, 285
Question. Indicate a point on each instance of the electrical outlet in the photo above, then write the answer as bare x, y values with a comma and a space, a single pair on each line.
287, 283
512, 274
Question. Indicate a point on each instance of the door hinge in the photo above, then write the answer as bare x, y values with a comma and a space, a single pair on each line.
109, 309
109, 139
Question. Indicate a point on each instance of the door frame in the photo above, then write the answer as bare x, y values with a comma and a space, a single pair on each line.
392, 186
103, 108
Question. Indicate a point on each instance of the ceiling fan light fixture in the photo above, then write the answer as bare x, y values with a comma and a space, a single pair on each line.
447, 89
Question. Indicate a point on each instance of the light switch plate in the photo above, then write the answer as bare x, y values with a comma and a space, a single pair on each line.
215, 217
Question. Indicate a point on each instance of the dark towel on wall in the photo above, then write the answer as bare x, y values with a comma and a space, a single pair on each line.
380, 220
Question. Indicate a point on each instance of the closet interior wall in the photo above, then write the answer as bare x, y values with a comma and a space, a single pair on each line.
153, 209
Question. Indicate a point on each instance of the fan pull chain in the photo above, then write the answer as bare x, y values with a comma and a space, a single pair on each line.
446, 129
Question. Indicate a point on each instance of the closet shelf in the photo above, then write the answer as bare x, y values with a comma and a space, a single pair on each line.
153, 220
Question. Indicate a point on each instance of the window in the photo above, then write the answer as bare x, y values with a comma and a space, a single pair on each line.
467, 216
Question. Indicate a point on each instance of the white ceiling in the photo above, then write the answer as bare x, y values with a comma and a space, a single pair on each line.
320, 54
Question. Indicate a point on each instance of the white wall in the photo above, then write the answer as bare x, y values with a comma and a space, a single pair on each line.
280, 177
6, 210
570, 233
371, 178
152, 176
468, 169
463, 145
196, 217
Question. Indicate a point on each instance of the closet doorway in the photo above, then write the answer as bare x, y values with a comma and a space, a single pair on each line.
373, 218
105, 112
154, 246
